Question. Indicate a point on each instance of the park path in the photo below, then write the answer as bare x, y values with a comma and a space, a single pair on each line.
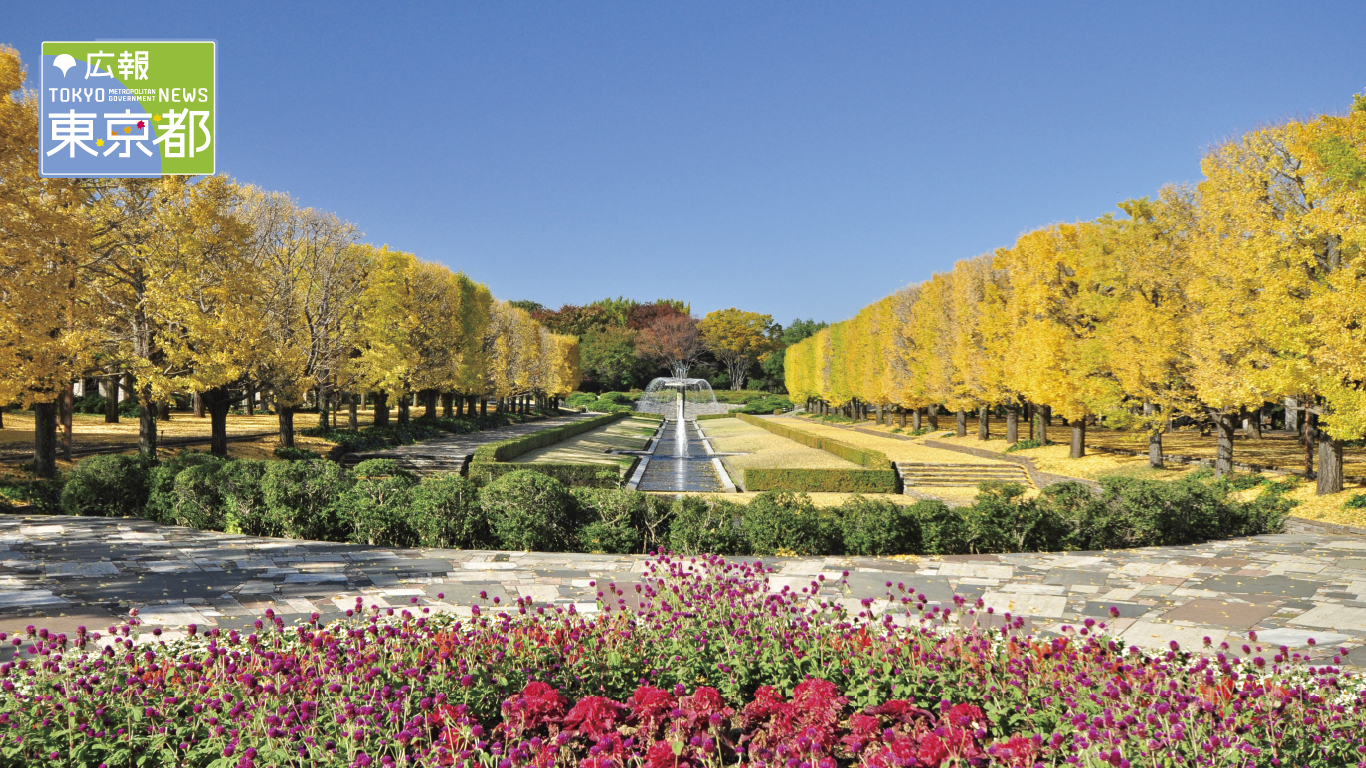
63, 572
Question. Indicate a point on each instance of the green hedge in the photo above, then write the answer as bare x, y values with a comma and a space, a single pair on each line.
864, 457
820, 480
507, 450
572, 475
710, 416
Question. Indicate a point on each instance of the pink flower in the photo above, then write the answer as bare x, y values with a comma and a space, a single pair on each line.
594, 716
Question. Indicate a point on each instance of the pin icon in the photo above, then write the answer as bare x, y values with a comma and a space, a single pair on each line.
64, 62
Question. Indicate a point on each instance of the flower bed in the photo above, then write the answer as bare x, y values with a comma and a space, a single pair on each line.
698, 664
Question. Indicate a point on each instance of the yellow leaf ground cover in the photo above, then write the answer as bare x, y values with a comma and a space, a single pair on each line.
762, 448
632, 434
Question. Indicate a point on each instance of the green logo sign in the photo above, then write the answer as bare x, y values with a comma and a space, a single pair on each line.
128, 108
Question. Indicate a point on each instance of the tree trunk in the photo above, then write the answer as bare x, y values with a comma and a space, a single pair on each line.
322, 408
459, 404
111, 401
1309, 428
447, 405
403, 406
1330, 465
250, 406
915, 420
285, 415
1154, 437
1048, 415
934, 418
198, 405
1078, 438
962, 423
1292, 414
352, 422
984, 423
901, 416
65, 409
147, 425
1255, 424
218, 401
164, 410
381, 406
429, 403
45, 439
1013, 423
483, 405
1223, 457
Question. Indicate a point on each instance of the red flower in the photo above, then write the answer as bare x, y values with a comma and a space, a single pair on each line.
1018, 751
649, 707
900, 710
538, 704
594, 716
965, 716
931, 751
661, 755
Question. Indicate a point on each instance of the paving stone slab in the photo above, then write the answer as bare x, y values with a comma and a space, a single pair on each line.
1281, 586
1333, 617
1220, 613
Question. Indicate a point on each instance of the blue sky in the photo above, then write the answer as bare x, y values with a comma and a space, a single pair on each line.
800, 159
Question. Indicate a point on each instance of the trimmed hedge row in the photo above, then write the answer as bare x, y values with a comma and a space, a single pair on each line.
820, 480
492, 461
507, 450
878, 476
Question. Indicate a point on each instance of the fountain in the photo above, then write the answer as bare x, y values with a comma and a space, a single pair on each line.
680, 399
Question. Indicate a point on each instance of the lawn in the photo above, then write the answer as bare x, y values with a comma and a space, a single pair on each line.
630, 434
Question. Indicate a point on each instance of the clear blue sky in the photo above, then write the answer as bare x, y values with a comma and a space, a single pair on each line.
800, 159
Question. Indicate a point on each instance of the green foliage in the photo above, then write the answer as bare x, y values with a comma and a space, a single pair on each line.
706, 525
295, 454
107, 486
304, 497
244, 500
375, 509
198, 498
1357, 501
445, 513
1023, 445
944, 530
614, 519
530, 511
825, 480
161, 496
879, 527
44, 494
608, 357
94, 404
789, 524
1002, 520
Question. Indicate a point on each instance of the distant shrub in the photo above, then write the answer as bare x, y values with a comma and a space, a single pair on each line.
613, 519
304, 496
244, 500
375, 507
879, 527
790, 524
1357, 501
706, 525
943, 529
528, 510
107, 486
445, 513
295, 454
1023, 445
161, 496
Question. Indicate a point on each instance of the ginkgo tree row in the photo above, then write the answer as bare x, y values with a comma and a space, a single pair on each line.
1206, 304
206, 286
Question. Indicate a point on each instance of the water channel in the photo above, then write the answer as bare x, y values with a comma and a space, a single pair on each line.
680, 462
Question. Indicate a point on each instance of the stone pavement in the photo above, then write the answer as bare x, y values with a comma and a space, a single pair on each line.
449, 453
61, 572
